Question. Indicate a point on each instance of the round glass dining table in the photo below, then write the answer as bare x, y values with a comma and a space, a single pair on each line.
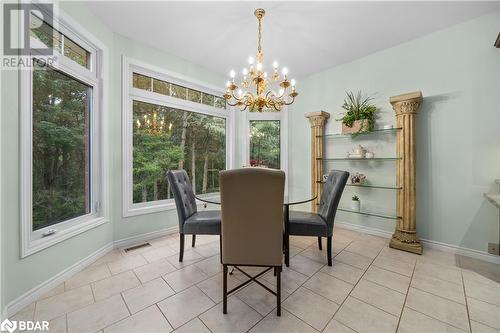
286, 205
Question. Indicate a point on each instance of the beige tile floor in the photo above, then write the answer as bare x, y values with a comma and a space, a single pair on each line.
369, 288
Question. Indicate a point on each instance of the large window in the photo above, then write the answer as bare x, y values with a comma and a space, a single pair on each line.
168, 138
265, 143
62, 159
61, 149
171, 123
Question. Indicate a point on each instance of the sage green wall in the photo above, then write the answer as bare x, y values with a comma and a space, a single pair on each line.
458, 128
21, 275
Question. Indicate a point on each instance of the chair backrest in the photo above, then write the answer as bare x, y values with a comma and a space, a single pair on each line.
185, 200
252, 216
332, 191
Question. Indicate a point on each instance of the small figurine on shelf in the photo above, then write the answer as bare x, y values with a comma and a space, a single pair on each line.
355, 203
358, 152
358, 179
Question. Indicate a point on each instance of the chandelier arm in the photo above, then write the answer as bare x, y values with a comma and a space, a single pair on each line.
291, 102
227, 101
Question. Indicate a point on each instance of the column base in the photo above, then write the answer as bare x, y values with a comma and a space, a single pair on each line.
414, 247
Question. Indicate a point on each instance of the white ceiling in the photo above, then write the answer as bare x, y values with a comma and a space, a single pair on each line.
307, 37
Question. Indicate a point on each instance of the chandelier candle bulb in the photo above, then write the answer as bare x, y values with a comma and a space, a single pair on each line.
275, 65
232, 74
251, 60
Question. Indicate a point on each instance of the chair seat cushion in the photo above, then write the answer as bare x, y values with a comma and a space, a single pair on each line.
307, 224
203, 223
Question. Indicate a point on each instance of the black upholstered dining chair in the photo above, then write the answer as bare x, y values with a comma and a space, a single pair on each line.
191, 221
321, 224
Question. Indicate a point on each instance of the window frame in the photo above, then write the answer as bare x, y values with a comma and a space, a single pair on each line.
282, 117
129, 94
33, 241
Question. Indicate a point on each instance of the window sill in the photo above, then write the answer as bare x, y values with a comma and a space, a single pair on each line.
37, 245
152, 208
148, 209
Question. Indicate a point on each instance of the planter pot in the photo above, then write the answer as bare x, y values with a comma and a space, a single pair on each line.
355, 205
357, 126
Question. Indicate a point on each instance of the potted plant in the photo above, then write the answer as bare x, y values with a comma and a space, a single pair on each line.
355, 203
360, 114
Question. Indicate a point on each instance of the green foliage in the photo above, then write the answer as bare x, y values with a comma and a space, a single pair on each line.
191, 141
358, 107
60, 148
355, 197
265, 143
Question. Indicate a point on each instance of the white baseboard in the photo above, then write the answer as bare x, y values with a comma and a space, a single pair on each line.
464, 251
427, 243
125, 242
32, 295
364, 229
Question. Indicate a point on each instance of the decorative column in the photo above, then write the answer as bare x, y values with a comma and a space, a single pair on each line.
317, 120
405, 236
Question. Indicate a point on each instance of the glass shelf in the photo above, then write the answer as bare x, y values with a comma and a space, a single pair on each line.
375, 186
360, 159
383, 216
376, 131
368, 186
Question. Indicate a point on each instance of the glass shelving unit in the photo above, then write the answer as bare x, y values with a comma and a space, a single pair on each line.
383, 216
381, 159
374, 132
360, 159
385, 187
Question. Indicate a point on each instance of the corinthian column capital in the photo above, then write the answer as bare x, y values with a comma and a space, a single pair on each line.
318, 118
406, 103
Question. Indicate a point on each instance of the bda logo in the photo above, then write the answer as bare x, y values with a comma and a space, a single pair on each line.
8, 325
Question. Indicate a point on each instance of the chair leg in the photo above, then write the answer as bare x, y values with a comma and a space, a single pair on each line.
329, 249
193, 241
320, 245
220, 248
181, 253
224, 289
278, 290
274, 271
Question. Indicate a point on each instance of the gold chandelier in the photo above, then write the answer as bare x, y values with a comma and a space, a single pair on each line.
264, 97
154, 126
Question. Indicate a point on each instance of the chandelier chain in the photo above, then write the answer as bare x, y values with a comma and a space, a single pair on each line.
259, 48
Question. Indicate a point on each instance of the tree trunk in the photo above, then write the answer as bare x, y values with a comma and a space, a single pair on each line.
205, 173
193, 166
183, 138
155, 190
144, 194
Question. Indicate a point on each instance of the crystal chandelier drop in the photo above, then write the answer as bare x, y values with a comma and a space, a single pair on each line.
255, 78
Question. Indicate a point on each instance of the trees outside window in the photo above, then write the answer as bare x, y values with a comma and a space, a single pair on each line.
61, 149
265, 143
166, 138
